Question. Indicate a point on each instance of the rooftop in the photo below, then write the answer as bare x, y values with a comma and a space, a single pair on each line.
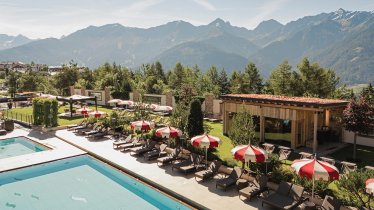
274, 99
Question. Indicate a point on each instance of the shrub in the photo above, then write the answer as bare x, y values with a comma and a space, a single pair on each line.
229, 162
195, 119
264, 168
351, 189
45, 112
320, 186
282, 173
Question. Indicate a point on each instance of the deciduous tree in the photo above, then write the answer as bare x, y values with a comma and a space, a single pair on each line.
242, 130
358, 117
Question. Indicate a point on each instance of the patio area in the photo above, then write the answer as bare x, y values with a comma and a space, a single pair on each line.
204, 193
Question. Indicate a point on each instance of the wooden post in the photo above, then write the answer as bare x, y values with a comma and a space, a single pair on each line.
96, 102
315, 141
71, 107
262, 126
327, 118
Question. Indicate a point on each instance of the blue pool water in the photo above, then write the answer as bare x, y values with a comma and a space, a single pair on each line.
18, 146
78, 183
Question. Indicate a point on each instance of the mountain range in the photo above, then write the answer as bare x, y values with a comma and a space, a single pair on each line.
341, 40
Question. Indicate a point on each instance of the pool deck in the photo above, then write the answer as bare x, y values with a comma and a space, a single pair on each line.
59, 149
203, 193
185, 185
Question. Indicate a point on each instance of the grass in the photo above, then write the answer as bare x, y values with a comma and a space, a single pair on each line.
364, 153
61, 120
224, 150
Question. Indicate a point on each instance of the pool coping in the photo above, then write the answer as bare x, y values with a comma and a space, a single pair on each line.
144, 180
33, 141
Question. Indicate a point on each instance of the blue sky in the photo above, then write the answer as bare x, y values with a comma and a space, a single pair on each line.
54, 18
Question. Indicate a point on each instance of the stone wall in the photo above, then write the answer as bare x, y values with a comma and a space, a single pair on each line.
169, 99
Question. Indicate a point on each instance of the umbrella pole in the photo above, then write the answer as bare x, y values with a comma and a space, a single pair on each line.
313, 188
315, 159
206, 157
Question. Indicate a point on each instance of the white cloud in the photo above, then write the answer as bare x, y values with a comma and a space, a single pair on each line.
266, 10
205, 4
139, 6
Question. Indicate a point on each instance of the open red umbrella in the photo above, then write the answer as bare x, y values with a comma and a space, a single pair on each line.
315, 169
249, 153
142, 125
206, 141
168, 132
370, 186
84, 110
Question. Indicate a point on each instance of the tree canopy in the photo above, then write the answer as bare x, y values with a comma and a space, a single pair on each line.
242, 129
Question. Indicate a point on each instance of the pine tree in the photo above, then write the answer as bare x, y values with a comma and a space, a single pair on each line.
368, 94
224, 85
317, 81
252, 79
280, 79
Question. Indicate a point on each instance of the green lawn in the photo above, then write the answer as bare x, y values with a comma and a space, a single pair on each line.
365, 154
61, 121
223, 151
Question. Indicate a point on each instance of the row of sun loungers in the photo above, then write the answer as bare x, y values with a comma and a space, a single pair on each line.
287, 195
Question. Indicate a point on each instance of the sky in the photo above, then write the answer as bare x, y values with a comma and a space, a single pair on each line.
55, 18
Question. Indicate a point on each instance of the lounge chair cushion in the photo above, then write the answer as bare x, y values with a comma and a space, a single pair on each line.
296, 192
231, 180
225, 182
284, 188
330, 203
280, 201
204, 174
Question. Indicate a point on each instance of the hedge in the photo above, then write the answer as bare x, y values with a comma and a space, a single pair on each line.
45, 112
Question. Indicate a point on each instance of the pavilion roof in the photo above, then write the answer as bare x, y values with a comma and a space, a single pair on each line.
291, 100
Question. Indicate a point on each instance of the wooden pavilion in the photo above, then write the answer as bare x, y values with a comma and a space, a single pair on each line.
311, 120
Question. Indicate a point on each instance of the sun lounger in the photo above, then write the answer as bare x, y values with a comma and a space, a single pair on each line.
188, 165
89, 127
84, 126
117, 144
329, 203
284, 153
169, 158
135, 143
145, 149
156, 153
287, 196
255, 188
100, 134
348, 167
230, 180
71, 127
210, 172
94, 130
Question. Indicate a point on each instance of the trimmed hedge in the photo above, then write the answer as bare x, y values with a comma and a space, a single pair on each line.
45, 112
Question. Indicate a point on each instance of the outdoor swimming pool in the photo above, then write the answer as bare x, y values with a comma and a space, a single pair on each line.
18, 146
80, 182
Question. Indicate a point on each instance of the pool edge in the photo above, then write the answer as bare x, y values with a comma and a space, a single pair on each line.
143, 179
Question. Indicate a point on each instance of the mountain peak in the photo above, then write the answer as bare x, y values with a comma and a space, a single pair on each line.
219, 22
267, 26
340, 11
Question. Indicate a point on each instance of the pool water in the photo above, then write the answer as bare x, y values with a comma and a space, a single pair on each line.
18, 146
78, 183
